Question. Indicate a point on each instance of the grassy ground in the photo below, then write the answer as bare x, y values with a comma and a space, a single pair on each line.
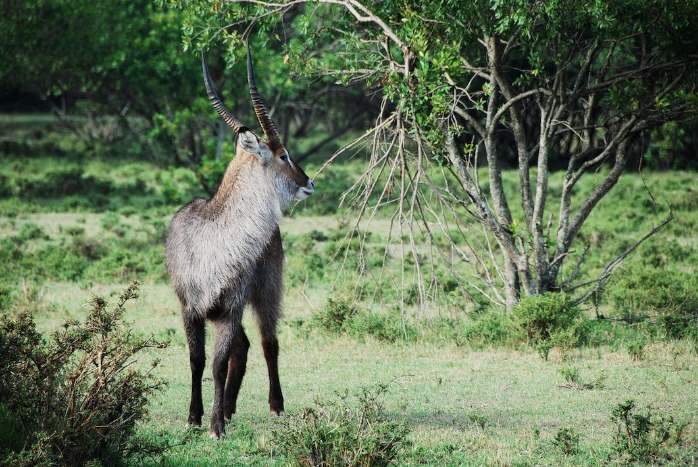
83, 227
463, 406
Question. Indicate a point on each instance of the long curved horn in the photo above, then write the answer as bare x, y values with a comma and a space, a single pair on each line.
228, 118
259, 108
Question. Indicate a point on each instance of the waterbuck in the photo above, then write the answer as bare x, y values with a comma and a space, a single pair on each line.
225, 252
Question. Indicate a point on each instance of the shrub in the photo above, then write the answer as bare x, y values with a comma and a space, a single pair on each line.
643, 437
177, 185
56, 260
30, 231
567, 440
127, 261
490, 328
478, 419
75, 395
570, 374
110, 220
636, 348
671, 296
340, 316
318, 236
550, 319
573, 379
339, 432
7, 292
334, 315
388, 326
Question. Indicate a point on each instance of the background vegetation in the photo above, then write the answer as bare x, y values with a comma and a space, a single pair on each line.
387, 356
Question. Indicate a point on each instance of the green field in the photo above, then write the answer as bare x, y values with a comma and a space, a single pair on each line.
464, 406
465, 398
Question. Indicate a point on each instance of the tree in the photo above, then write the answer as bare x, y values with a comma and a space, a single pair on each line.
126, 68
493, 82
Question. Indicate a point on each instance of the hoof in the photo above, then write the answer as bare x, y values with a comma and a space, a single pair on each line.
276, 407
274, 413
217, 430
194, 421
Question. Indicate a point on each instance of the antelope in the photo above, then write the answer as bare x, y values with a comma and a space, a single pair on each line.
225, 252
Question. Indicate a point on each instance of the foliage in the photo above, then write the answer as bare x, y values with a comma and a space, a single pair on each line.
387, 326
570, 374
669, 296
636, 348
573, 379
499, 76
340, 315
342, 432
335, 315
117, 233
491, 328
643, 437
567, 441
550, 319
6, 295
72, 396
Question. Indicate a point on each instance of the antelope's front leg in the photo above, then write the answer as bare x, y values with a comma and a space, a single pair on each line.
270, 346
236, 371
221, 354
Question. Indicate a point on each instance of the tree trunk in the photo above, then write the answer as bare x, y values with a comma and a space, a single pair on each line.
512, 288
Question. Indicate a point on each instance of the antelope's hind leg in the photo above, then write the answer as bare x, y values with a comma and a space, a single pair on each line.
237, 364
195, 330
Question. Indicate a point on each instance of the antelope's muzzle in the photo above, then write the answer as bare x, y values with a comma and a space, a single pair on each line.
305, 191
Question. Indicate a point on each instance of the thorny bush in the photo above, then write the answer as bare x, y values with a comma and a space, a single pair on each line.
75, 395
342, 433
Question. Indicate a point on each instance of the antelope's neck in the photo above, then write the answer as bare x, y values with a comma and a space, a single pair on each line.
247, 195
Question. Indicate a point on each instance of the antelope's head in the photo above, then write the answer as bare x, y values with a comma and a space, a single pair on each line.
288, 177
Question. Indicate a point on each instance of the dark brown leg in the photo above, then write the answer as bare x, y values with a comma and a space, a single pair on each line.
196, 335
221, 355
271, 353
236, 371
266, 300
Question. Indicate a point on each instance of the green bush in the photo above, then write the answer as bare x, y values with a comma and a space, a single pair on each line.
551, 319
573, 379
75, 395
493, 327
56, 260
669, 296
7, 295
643, 437
342, 432
567, 441
178, 185
128, 261
636, 347
130, 254
30, 231
334, 315
387, 326
570, 374
341, 316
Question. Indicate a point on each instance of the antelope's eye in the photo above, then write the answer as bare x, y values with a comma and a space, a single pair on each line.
284, 158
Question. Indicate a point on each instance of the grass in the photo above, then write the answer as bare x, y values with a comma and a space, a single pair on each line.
466, 400
495, 406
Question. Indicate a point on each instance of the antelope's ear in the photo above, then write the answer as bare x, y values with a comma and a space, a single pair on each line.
251, 144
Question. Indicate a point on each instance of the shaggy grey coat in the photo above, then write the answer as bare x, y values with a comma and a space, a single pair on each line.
226, 252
